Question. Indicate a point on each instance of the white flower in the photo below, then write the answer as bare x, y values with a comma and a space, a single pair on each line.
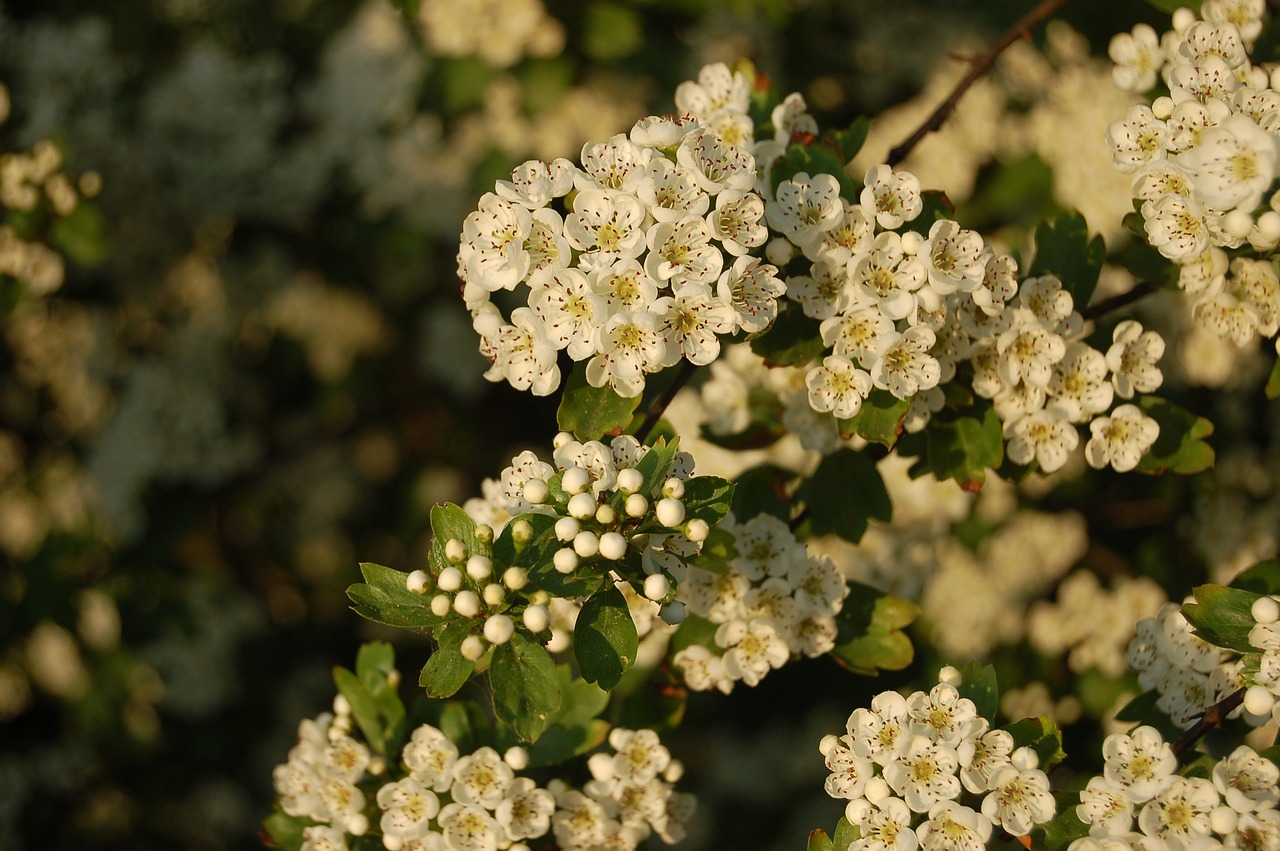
663, 131
492, 252
1259, 287
981, 756
952, 257
880, 732
717, 88
1132, 359
736, 221
639, 757
534, 183
751, 649
607, 226
1120, 439
715, 164
1105, 808
430, 757
408, 808
752, 288
1137, 58
546, 245
1138, 763
323, 838
1044, 436
791, 117
624, 286
1079, 383
681, 252
954, 827
824, 293
579, 821
890, 197
924, 773
857, 335
481, 778
805, 207
1209, 79
1137, 140
525, 813
467, 827
887, 278
1226, 316
1049, 302
820, 587
629, 345
999, 283
1019, 799
766, 547
689, 321
1028, 352
883, 826
1204, 39
702, 669
941, 714
849, 773
570, 311
847, 241
837, 386
1232, 165
524, 354
1188, 122
616, 164
903, 365
1247, 781
1179, 812
670, 192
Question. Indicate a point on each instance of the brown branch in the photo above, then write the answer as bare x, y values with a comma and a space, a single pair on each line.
1140, 291
1210, 718
980, 65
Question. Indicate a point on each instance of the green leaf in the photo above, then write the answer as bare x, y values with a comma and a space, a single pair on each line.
813, 159
526, 690
450, 522
447, 670
844, 493
848, 142
870, 637
879, 420
592, 412
364, 709
694, 630
1042, 735
1273, 383
375, 662
935, 205
573, 728
82, 236
964, 448
383, 598
979, 685
465, 724
1064, 249
846, 835
604, 639
1063, 829
707, 498
1180, 448
1262, 578
1143, 710
1222, 616
284, 831
1171, 6
656, 464
717, 551
819, 841
763, 490
792, 340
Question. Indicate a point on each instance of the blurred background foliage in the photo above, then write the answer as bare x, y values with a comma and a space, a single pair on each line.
256, 370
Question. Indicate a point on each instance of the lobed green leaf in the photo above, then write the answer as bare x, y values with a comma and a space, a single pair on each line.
447, 670
1064, 249
870, 637
604, 638
879, 420
707, 498
526, 689
844, 493
964, 448
1222, 616
1180, 448
383, 598
592, 412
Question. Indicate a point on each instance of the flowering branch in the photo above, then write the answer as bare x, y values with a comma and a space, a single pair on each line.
1139, 291
1210, 718
980, 65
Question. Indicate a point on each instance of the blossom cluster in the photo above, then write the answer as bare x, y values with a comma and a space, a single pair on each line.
611, 520
1203, 158
1264, 637
774, 602
1233, 807
908, 765
440, 798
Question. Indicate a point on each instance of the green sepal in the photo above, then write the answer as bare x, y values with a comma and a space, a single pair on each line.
383, 598
879, 420
1223, 616
792, 340
592, 412
526, 689
844, 494
1180, 448
870, 637
1064, 249
604, 637
447, 670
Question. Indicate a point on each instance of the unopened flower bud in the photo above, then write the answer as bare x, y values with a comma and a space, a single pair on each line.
613, 546
827, 743
517, 758
565, 560
341, 706
575, 480
582, 506
472, 647
536, 491
479, 567
586, 544
560, 641
536, 618
450, 579
441, 605
377, 766
566, 528
673, 487
393, 677
950, 675
494, 594
1162, 107
630, 480
561, 439
484, 533
358, 824
498, 629
1024, 759
779, 251
392, 843
1237, 223
455, 551
673, 613
636, 505
515, 578
656, 586
521, 533
605, 515
1223, 820
416, 582
670, 512
674, 771
1265, 610
601, 767
697, 530
912, 242
467, 603
1258, 700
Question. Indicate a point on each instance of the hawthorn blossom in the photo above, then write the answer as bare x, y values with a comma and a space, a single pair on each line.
890, 197
805, 207
492, 250
1137, 58
715, 164
408, 808
525, 812
954, 827
1138, 762
903, 365
837, 386
524, 354
857, 335
1137, 140
690, 321
717, 87
1179, 812
629, 345
1079, 383
1132, 359
681, 252
736, 221
822, 294
1045, 436
882, 826
570, 312
942, 714
616, 164
1232, 165
1120, 439
952, 258
1019, 799
1028, 352
924, 773
1226, 316
887, 278
534, 183
752, 289
1105, 808
467, 827
624, 286
670, 192
607, 227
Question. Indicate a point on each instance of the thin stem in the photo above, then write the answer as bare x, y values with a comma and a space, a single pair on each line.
1140, 291
979, 66
659, 406
1210, 718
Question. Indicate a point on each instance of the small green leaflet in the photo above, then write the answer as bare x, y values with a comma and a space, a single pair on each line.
1222, 616
1181, 447
383, 598
447, 670
879, 420
604, 639
526, 690
1064, 249
871, 637
844, 493
592, 412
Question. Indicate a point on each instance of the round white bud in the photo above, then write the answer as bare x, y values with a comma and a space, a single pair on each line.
696, 530
536, 491
450, 579
670, 512
484, 532
877, 790
911, 242
515, 578
1265, 610
565, 560
950, 675
561, 439
601, 767
779, 251
586, 543
1258, 700
673, 613
441, 605
392, 843
1269, 225
358, 824
472, 647
536, 618
560, 641
341, 706
582, 505
613, 546
674, 771
494, 594
498, 629
1025, 759
656, 586
1237, 223
673, 487
479, 567
517, 758
377, 766
636, 505
1222, 820
630, 480
455, 551
467, 603
575, 480
1162, 107
605, 515
521, 532
827, 743
416, 582
566, 528
1183, 18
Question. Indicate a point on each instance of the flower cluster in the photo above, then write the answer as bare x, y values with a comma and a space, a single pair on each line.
1233, 807
440, 798
1188, 673
908, 765
1261, 698
1203, 159
774, 602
